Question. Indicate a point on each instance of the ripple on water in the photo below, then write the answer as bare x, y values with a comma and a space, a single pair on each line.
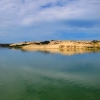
26, 77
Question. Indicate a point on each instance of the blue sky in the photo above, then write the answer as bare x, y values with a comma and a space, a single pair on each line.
38, 20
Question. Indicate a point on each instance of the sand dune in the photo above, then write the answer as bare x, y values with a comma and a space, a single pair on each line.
57, 44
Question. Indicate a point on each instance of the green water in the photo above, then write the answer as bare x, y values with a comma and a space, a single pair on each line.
49, 76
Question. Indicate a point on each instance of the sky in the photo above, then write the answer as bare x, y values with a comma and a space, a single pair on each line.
39, 20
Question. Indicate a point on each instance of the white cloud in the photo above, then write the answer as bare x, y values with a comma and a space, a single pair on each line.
20, 17
27, 12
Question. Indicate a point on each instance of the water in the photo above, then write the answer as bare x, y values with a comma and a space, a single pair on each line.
49, 75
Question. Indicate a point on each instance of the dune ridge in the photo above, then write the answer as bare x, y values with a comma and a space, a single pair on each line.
57, 44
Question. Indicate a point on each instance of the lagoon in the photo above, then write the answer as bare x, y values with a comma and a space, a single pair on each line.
49, 75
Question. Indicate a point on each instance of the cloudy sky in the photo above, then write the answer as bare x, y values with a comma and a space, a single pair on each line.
33, 20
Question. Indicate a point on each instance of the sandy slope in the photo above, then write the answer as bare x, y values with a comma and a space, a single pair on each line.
57, 44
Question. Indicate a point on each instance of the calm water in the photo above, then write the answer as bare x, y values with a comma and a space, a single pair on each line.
44, 75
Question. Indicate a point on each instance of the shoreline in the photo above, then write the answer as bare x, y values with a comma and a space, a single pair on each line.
55, 44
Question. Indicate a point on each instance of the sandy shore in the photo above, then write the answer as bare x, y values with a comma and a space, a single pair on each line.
62, 47
57, 44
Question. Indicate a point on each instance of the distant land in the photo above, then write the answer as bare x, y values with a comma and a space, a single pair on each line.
55, 44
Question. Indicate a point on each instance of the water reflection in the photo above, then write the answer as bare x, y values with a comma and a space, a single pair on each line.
63, 51
41, 75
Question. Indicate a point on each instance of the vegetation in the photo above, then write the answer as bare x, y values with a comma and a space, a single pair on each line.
45, 42
95, 41
4, 45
